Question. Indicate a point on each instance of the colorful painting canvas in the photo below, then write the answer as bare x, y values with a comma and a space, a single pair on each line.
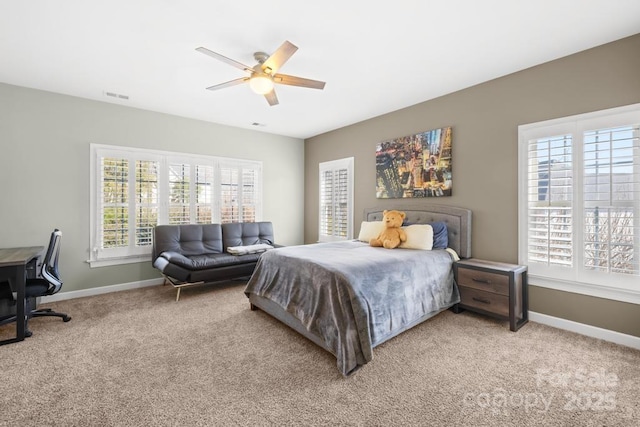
415, 166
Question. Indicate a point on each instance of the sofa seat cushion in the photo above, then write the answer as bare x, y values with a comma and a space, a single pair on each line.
207, 261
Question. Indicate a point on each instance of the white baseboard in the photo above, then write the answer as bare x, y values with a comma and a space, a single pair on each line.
102, 290
588, 330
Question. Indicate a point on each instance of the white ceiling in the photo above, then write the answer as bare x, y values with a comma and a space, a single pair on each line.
376, 56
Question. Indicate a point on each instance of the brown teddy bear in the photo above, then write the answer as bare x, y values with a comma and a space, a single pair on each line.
393, 234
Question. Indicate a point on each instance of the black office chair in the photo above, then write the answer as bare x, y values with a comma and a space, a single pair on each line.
48, 284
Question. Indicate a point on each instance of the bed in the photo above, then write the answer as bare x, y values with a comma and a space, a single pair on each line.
348, 297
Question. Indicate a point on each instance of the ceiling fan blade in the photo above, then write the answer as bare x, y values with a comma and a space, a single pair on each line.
271, 97
279, 57
298, 81
229, 83
225, 59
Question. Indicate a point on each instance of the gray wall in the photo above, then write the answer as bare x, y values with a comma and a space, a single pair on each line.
44, 172
485, 121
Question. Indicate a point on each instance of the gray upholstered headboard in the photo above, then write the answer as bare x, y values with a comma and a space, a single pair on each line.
458, 222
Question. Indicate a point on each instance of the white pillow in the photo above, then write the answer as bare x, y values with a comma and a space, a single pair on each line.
419, 236
370, 230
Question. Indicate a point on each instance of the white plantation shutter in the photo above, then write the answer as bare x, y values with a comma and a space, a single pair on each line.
146, 201
611, 199
191, 203
250, 194
179, 193
579, 203
133, 190
550, 220
204, 194
326, 203
336, 200
126, 200
240, 192
230, 209
114, 195
342, 195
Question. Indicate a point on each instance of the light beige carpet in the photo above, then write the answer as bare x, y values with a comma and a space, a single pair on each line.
138, 358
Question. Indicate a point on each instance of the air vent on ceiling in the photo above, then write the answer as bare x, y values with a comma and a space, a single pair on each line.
116, 95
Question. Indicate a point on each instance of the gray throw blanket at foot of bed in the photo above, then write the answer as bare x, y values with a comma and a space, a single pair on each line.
353, 296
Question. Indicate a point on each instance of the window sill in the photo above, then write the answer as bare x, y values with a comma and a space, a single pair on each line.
118, 261
599, 291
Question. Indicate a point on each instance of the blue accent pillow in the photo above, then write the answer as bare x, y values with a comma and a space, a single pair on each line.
440, 235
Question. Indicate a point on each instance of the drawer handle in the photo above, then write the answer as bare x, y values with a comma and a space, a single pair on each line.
485, 281
482, 300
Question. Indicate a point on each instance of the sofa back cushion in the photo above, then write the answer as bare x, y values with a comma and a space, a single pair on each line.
187, 239
246, 233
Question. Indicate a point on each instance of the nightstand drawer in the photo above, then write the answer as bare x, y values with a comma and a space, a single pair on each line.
487, 301
484, 281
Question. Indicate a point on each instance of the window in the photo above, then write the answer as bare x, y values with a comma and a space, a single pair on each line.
191, 188
239, 191
336, 200
179, 194
133, 190
579, 194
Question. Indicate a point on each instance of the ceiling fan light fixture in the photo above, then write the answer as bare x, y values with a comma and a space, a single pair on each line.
263, 76
261, 84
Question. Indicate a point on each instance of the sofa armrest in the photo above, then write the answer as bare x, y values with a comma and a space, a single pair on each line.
177, 258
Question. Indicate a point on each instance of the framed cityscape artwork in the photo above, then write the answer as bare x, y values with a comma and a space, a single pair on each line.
415, 166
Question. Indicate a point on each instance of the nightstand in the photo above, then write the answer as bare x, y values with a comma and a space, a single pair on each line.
493, 288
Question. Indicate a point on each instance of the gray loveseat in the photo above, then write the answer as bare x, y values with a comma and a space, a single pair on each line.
198, 253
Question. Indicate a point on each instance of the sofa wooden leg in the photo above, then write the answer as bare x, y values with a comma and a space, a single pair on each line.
178, 295
253, 307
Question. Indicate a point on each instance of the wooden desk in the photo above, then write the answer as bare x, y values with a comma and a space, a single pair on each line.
13, 263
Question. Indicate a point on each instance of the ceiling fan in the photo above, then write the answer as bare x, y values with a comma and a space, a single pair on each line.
264, 74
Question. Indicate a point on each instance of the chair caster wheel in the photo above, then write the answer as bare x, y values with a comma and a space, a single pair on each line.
27, 333
66, 318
